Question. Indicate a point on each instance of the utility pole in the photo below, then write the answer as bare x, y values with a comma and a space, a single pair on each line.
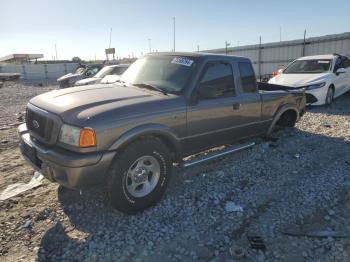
56, 51
280, 34
197, 48
149, 45
259, 58
304, 42
227, 45
174, 33
110, 38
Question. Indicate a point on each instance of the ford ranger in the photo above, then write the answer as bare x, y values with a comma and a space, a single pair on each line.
166, 106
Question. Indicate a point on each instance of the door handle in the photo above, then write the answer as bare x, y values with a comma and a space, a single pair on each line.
236, 106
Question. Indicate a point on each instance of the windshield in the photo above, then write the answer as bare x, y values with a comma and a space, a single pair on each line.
308, 67
79, 70
168, 73
104, 71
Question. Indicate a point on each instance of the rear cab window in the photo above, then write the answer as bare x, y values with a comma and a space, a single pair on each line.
247, 76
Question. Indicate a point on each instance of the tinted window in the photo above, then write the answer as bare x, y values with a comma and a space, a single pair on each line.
342, 62
248, 81
346, 62
219, 76
119, 70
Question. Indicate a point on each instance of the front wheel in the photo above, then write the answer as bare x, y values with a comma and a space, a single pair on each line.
138, 177
329, 96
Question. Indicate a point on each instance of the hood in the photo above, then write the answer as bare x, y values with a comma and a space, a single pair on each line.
88, 81
298, 80
77, 105
68, 76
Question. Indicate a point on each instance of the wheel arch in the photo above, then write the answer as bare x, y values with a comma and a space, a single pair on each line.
287, 108
165, 134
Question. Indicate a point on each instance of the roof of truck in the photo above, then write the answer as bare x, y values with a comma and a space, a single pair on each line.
194, 54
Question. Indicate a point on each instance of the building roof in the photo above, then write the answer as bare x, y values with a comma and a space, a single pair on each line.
20, 57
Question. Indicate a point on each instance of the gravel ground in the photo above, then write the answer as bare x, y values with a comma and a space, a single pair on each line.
294, 192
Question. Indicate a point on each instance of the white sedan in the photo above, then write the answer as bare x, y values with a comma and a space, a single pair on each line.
325, 77
113, 71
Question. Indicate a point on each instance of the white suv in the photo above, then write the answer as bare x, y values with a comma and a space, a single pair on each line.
325, 77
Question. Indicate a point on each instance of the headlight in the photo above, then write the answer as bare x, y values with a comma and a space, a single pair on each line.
315, 86
79, 137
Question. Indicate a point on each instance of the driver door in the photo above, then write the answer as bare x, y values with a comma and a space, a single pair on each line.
211, 118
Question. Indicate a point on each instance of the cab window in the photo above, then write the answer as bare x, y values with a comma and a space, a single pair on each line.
218, 78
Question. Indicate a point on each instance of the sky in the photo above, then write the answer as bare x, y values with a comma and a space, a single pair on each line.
82, 28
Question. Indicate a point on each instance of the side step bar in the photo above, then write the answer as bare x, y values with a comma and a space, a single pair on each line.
226, 151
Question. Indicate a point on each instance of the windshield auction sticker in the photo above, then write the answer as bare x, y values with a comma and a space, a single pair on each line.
323, 62
182, 61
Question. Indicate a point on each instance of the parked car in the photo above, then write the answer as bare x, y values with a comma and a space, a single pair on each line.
166, 106
109, 70
325, 77
83, 71
110, 79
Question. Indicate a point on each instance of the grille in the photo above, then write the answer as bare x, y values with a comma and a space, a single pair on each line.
310, 98
39, 125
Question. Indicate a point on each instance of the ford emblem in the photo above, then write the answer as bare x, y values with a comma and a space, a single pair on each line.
35, 124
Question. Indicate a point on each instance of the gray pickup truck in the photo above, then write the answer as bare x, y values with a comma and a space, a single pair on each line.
165, 107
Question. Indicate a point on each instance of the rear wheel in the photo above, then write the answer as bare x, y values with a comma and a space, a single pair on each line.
329, 96
138, 177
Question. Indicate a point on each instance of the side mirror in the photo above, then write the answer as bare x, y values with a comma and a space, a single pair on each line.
340, 71
207, 91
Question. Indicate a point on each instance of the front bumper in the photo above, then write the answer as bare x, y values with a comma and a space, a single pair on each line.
316, 96
70, 169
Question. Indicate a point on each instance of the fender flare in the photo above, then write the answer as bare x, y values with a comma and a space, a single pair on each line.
156, 130
282, 109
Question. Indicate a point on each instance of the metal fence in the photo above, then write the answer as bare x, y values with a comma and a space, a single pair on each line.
39, 73
272, 56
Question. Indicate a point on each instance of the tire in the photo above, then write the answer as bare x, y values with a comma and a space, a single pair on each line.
329, 96
138, 177
287, 120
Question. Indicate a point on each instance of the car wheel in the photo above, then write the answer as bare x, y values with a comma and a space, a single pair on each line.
64, 84
329, 96
138, 177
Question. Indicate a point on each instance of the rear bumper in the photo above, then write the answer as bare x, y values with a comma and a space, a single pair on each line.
70, 169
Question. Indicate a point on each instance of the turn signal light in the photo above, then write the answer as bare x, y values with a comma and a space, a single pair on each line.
87, 137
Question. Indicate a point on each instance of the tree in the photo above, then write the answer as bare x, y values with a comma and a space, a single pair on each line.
76, 59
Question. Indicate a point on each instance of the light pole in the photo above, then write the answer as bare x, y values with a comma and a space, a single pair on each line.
56, 51
226, 45
174, 34
149, 45
110, 38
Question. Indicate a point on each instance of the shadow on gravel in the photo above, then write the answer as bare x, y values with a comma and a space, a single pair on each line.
114, 233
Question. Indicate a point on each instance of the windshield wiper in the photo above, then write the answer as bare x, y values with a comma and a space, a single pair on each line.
143, 85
